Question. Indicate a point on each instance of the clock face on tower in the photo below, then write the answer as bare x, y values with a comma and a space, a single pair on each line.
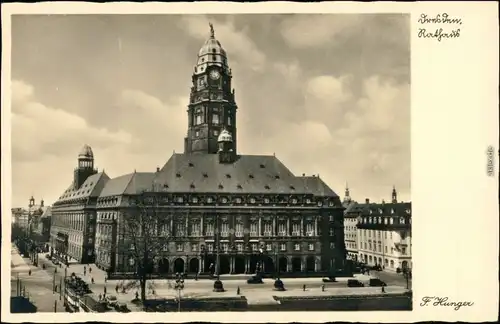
214, 75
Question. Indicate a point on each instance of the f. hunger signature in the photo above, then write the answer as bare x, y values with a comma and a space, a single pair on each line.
443, 301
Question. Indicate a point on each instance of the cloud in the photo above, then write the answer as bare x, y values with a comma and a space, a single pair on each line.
244, 52
301, 31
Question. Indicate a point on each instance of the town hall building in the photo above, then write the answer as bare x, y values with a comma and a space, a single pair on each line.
250, 209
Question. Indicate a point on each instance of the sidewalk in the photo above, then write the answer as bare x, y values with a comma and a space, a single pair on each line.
17, 263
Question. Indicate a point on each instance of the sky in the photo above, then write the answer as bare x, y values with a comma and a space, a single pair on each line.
328, 94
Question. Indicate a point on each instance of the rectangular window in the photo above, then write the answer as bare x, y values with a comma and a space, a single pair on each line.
332, 232
194, 247
210, 247
282, 229
295, 229
255, 247
229, 121
309, 229
311, 247
331, 218
385, 249
283, 247
198, 120
239, 230
181, 229
268, 229
239, 247
385, 235
253, 229
197, 133
391, 235
403, 251
225, 247
165, 247
297, 247
332, 245
209, 230
195, 229
269, 247
224, 230
215, 119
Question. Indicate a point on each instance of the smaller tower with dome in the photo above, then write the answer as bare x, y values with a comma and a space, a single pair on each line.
226, 150
85, 166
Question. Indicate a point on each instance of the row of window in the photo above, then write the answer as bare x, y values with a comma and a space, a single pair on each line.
378, 220
378, 248
239, 247
375, 233
351, 245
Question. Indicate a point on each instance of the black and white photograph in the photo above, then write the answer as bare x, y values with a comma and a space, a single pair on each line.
198, 163
213, 162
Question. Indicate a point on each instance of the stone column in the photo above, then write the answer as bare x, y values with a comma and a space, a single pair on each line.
274, 232
201, 265
231, 264
317, 264
247, 263
302, 264
288, 230
201, 225
260, 227
289, 264
315, 226
301, 226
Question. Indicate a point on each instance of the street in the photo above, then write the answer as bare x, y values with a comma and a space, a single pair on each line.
40, 285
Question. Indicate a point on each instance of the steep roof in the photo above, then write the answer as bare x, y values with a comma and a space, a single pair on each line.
248, 174
128, 184
90, 188
386, 209
47, 212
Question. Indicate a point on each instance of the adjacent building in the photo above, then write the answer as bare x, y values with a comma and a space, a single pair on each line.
384, 233
74, 214
250, 208
350, 226
42, 231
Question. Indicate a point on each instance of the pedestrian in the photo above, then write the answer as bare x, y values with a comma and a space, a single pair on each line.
84, 272
304, 287
383, 289
105, 279
136, 295
29, 272
55, 288
90, 269
100, 297
92, 279
238, 291
322, 287
116, 288
104, 290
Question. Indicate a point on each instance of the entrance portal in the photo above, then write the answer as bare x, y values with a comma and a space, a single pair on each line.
282, 264
296, 265
210, 264
254, 260
310, 263
239, 264
163, 266
268, 265
179, 265
194, 265
224, 267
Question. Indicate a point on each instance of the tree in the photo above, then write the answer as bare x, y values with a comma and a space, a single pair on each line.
148, 232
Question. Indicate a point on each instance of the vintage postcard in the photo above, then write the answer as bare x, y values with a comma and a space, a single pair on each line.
291, 162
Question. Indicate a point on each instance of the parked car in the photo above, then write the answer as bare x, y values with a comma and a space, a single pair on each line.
329, 279
255, 280
354, 283
112, 301
376, 282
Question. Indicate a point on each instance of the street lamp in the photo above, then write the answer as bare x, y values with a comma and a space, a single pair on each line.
218, 286
179, 285
407, 276
278, 284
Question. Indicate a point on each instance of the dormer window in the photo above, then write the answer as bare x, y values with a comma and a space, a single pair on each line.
239, 186
205, 175
276, 177
267, 187
292, 187
191, 165
262, 166
192, 186
178, 175
221, 186
250, 176
228, 176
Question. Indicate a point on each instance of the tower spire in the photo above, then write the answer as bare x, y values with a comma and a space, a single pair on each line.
212, 32
347, 196
394, 194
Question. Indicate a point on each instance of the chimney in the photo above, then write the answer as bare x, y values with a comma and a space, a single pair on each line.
303, 174
383, 201
157, 169
367, 201
41, 203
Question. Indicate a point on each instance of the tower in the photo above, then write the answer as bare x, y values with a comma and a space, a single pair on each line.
394, 195
85, 167
347, 197
226, 147
212, 106
32, 202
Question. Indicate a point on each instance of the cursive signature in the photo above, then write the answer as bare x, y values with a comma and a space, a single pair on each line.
443, 18
443, 301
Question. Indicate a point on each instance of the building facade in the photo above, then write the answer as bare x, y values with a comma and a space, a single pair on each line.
72, 232
350, 226
384, 233
42, 231
249, 208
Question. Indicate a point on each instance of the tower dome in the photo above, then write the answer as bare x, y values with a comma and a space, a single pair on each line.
211, 54
86, 152
225, 136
